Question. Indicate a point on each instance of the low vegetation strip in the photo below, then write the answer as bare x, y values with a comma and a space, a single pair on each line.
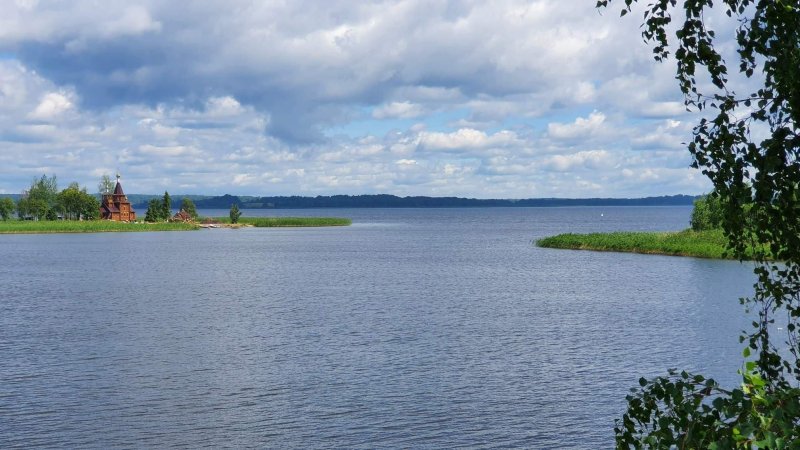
289, 221
86, 226
700, 244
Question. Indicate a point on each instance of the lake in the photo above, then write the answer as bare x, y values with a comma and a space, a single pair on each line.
412, 328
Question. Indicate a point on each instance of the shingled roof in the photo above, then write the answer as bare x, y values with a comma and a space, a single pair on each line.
118, 189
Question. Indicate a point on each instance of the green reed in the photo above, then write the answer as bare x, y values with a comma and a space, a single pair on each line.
289, 221
701, 244
87, 226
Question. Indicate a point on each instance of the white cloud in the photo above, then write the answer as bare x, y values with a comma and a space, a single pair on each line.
223, 107
134, 20
580, 128
591, 159
214, 98
398, 110
466, 139
177, 150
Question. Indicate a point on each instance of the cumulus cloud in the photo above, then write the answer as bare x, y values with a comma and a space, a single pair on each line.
399, 110
591, 159
580, 128
466, 139
52, 105
511, 98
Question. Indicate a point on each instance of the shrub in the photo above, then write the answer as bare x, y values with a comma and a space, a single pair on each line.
707, 213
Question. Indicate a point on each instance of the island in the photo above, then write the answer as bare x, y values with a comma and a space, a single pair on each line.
704, 238
699, 244
43, 209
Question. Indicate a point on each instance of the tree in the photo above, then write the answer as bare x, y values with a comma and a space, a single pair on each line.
39, 201
42, 195
159, 210
7, 207
106, 185
166, 207
68, 201
235, 213
155, 211
36, 208
75, 203
89, 207
23, 210
187, 205
707, 213
756, 179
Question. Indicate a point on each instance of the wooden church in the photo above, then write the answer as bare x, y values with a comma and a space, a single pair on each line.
116, 206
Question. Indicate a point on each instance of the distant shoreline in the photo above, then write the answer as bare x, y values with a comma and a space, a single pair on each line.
140, 201
392, 201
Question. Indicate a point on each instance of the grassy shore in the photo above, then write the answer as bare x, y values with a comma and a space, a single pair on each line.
700, 244
86, 226
103, 226
288, 221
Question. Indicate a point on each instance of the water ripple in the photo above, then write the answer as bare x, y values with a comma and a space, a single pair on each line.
410, 329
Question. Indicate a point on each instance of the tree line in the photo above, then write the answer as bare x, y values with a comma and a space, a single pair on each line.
43, 201
393, 201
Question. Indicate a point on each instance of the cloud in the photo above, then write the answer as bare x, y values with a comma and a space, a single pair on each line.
465, 139
591, 159
223, 107
176, 150
294, 61
510, 98
52, 105
580, 128
398, 110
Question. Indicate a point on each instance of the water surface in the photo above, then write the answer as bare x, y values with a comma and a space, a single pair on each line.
415, 328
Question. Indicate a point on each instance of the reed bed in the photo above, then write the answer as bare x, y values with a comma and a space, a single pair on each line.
289, 221
700, 244
87, 226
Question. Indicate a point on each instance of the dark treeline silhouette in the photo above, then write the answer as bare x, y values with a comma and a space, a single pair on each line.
392, 201
139, 201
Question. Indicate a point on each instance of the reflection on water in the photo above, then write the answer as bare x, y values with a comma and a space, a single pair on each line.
411, 328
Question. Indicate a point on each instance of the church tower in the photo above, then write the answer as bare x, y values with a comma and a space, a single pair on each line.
116, 206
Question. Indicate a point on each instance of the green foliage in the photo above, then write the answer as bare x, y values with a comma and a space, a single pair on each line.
159, 210
707, 213
682, 410
297, 221
106, 185
7, 207
701, 244
757, 180
166, 207
39, 201
187, 205
32, 207
234, 213
89, 207
155, 211
87, 226
266, 222
75, 203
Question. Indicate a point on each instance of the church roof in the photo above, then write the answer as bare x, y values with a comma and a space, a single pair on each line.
118, 189
109, 207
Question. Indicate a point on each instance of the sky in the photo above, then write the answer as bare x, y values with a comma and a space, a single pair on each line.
500, 99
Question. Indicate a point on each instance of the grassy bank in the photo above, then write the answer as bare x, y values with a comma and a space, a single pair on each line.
289, 221
86, 226
102, 226
700, 244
